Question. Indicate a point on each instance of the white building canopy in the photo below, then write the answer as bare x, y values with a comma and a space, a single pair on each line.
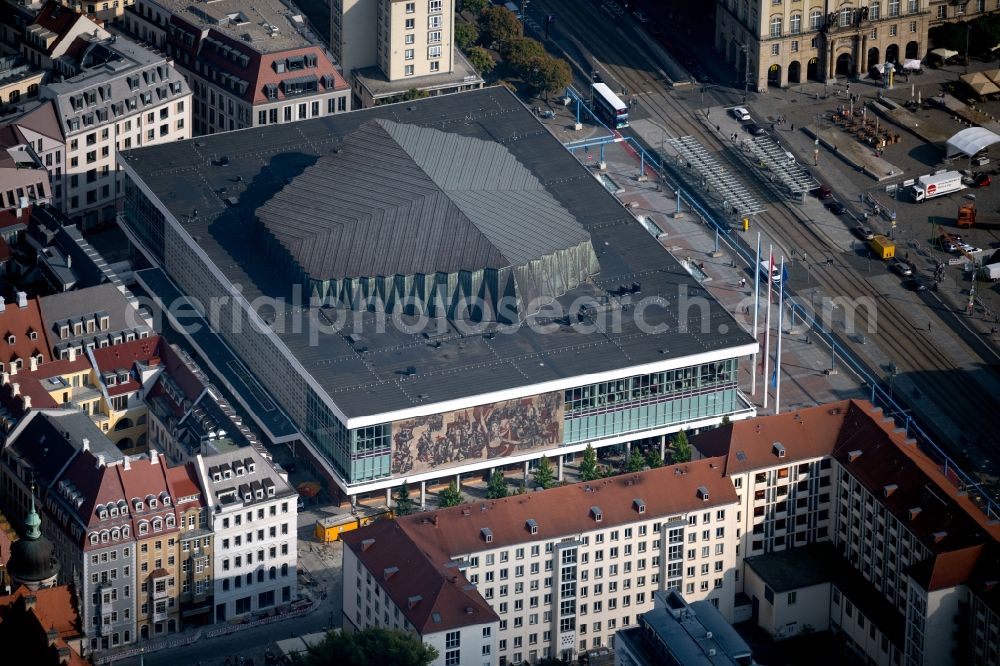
970, 141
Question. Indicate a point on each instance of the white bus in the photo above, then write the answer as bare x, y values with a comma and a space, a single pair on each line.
608, 107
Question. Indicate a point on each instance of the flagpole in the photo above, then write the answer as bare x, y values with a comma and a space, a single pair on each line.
756, 314
777, 353
767, 317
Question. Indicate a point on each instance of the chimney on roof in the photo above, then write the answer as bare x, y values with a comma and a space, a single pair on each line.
890, 489
13, 369
33, 363
388, 572
69, 261
15, 389
366, 544
86, 444
72, 354
435, 520
853, 455
52, 636
154, 457
100, 460
4, 378
778, 449
128, 463
26, 401
30, 601
22, 299
914, 512
3, 304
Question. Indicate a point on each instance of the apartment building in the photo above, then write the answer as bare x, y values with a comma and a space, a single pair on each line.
196, 545
247, 67
253, 517
387, 47
559, 571
19, 81
775, 43
116, 95
50, 37
23, 178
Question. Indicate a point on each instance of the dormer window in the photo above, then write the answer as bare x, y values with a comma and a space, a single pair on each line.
105, 323
143, 527
152, 502
116, 534
170, 521
126, 531
64, 331
157, 525
138, 505
77, 328
216, 477
32, 335
105, 535
11, 339
228, 474
93, 538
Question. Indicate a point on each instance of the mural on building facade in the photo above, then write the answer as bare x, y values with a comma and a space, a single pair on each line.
478, 433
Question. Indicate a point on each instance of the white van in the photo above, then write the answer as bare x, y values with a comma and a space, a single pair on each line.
514, 8
775, 272
740, 113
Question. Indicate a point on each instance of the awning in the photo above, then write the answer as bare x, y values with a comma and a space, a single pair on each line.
970, 141
911, 64
944, 53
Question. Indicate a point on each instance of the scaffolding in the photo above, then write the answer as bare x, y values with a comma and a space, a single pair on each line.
715, 177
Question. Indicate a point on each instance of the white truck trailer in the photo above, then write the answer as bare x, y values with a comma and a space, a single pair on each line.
937, 184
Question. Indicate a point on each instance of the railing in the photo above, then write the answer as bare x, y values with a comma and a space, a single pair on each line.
880, 396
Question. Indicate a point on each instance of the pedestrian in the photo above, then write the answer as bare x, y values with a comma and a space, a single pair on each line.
928, 326
718, 129
793, 127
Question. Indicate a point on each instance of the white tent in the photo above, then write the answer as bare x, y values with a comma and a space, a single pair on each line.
970, 141
944, 53
911, 64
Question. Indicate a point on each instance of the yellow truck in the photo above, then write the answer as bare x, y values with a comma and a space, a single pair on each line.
883, 247
329, 529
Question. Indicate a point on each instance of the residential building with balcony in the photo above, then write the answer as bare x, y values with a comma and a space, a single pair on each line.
246, 68
388, 47
196, 545
19, 82
253, 517
552, 573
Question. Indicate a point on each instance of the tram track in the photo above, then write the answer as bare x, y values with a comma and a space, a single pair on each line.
937, 377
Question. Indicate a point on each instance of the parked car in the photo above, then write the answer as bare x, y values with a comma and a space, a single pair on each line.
981, 179
915, 284
740, 113
836, 208
864, 233
753, 129
900, 267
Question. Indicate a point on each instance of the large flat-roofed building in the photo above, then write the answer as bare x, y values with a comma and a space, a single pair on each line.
451, 291
247, 65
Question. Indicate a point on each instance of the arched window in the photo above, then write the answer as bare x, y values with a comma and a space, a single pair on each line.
272, 573
815, 19
795, 24
874, 10
776, 26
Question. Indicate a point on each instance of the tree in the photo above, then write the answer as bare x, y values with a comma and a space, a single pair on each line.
497, 487
682, 448
481, 59
521, 489
522, 52
450, 496
369, 646
499, 25
465, 35
474, 6
653, 458
725, 420
636, 462
548, 74
404, 505
588, 466
544, 476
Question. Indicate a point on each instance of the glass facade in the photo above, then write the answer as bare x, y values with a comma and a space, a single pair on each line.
648, 401
144, 219
360, 455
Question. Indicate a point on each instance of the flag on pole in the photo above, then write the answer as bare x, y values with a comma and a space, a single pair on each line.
774, 378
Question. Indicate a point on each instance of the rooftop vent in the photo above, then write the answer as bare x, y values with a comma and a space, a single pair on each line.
890, 489
487, 534
703, 493
939, 536
388, 572
639, 505
778, 449
531, 525
413, 601
366, 544
853, 455
914, 512
596, 512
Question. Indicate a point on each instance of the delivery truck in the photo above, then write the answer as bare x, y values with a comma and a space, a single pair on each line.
990, 272
968, 217
882, 247
937, 184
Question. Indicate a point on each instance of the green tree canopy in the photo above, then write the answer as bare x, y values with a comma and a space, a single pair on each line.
369, 646
481, 59
466, 35
544, 476
497, 487
498, 24
636, 462
522, 52
653, 458
588, 466
682, 448
548, 75
404, 505
474, 6
450, 496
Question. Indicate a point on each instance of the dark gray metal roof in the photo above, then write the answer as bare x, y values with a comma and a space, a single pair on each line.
400, 199
187, 178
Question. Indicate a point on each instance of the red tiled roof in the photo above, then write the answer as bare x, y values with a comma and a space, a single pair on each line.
58, 19
27, 627
265, 73
183, 482
124, 355
18, 321
34, 383
10, 218
179, 372
804, 434
947, 569
423, 546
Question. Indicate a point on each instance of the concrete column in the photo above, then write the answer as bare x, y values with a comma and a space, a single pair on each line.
525, 472
831, 66
423, 494
628, 450
859, 61
458, 481
663, 447
559, 462
388, 496
354, 500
